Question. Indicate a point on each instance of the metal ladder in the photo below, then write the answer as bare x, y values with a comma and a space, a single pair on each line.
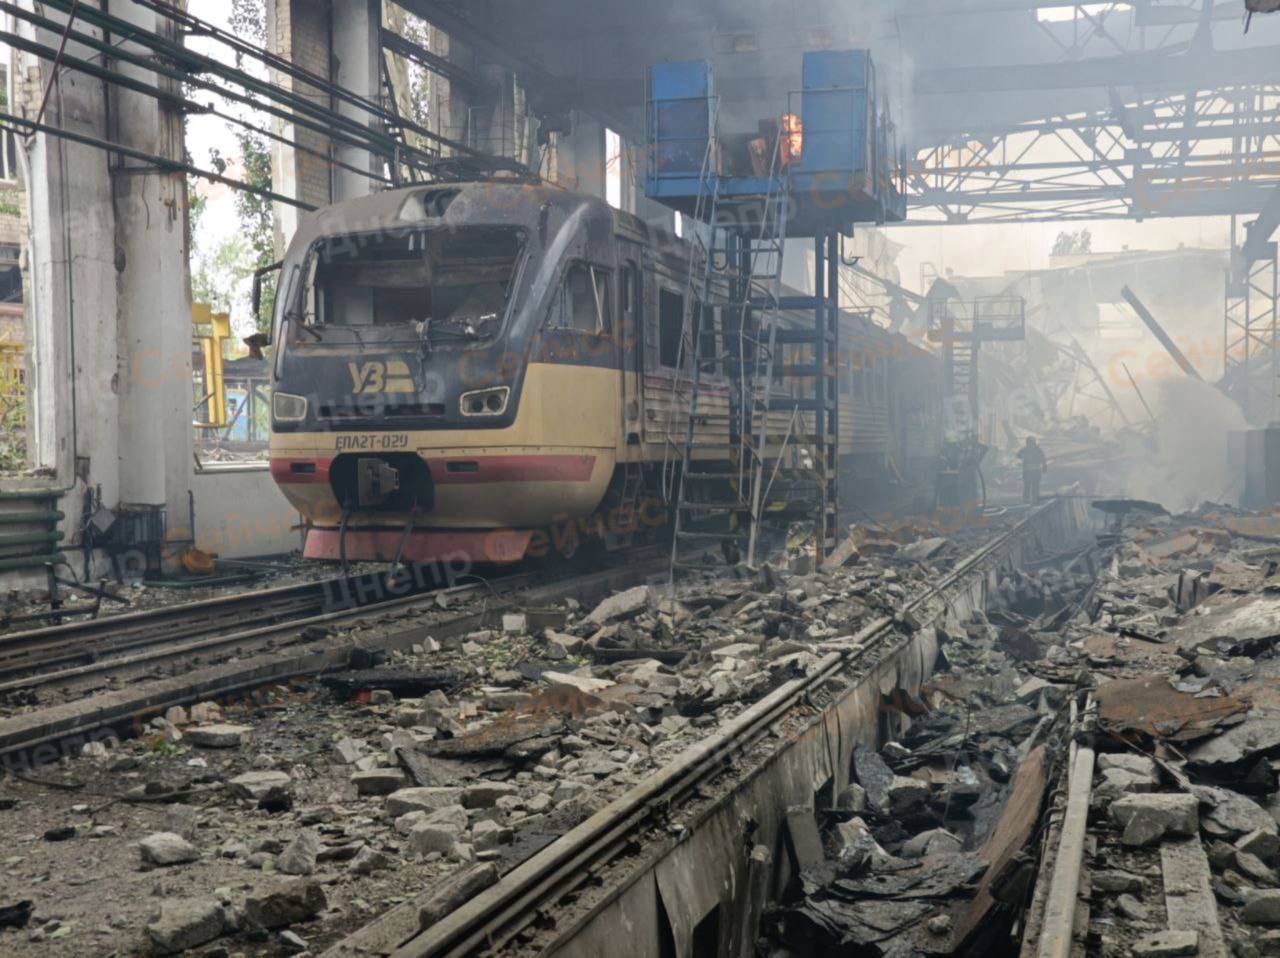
688, 511
961, 356
806, 455
750, 363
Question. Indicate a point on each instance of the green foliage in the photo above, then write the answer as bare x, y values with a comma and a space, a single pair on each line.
13, 435
249, 20
1071, 243
219, 271
10, 201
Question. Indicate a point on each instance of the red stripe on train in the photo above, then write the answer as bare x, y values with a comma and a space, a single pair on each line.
480, 469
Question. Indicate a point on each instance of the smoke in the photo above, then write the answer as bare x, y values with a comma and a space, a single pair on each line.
1189, 465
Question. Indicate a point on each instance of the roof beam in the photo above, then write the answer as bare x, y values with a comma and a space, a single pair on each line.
1147, 70
1258, 245
1158, 331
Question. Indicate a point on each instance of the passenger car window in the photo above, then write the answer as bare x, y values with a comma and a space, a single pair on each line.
708, 333
670, 327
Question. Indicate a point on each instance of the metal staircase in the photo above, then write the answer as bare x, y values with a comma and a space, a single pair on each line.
776, 440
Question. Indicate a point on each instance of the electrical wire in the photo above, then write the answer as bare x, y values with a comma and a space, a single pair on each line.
57, 60
16, 123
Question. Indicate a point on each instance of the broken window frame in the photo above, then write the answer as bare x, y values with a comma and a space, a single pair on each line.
668, 338
304, 306
562, 315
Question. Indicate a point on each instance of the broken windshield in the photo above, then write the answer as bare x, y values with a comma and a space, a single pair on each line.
443, 287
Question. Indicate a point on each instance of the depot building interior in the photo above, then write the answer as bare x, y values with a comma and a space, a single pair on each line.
703, 479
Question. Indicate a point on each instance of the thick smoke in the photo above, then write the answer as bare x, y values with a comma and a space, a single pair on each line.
1190, 464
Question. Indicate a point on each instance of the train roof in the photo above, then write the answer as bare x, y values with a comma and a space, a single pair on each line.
513, 201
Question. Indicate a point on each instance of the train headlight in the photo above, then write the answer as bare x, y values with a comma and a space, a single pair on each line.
485, 402
286, 407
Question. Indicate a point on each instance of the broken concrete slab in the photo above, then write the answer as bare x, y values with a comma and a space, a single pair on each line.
379, 781
1167, 944
420, 798
1261, 907
627, 602
1148, 818
186, 923
254, 785
165, 848
284, 904
219, 736
582, 683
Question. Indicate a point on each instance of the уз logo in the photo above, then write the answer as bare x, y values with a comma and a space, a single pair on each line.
379, 377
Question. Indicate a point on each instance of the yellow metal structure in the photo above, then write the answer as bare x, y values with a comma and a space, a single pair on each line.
212, 330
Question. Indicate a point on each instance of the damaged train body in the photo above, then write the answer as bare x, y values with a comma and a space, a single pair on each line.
493, 369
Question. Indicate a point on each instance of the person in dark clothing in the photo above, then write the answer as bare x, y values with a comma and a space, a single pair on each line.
1033, 463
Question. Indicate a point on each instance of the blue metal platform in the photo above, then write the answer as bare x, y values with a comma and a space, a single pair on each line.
847, 170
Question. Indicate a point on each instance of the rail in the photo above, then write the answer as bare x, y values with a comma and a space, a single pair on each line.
492, 918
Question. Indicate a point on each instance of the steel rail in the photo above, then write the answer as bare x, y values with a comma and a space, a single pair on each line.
260, 635
25, 732
1058, 927
491, 918
54, 645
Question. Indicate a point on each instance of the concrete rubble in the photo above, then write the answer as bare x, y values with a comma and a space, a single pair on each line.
308, 809
1170, 632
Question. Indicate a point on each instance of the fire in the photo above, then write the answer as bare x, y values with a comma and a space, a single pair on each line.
792, 140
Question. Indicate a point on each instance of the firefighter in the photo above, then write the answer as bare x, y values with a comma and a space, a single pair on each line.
1033, 463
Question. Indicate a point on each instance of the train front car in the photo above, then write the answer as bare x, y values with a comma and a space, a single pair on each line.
447, 379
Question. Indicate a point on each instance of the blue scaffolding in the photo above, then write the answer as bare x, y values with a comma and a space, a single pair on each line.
813, 170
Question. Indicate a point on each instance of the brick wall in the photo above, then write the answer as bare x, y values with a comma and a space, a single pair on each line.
299, 30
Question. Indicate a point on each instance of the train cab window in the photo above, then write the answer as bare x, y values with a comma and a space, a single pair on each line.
670, 327
585, 302
454, 284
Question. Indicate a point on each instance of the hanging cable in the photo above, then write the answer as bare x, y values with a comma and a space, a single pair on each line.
404, 538
57, 60
342, 542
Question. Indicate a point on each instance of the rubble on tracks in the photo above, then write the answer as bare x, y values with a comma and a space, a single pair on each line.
308, 808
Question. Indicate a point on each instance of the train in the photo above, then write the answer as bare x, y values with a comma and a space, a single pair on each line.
469, 369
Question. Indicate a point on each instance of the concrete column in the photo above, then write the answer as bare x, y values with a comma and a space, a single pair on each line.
580, 156
71, 252
110, 308
357, 66
153, 299
299, 31
340, 42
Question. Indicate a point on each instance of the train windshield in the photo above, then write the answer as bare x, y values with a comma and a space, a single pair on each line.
444, 286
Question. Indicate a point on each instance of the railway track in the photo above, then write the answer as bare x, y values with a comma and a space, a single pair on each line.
139, 665
614, 877
28, 654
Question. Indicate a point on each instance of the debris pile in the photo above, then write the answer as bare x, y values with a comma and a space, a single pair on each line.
932, 834
1181, 652
295, 815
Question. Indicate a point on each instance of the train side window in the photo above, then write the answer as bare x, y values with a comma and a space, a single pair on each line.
708, 333
670, 327
585, 303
